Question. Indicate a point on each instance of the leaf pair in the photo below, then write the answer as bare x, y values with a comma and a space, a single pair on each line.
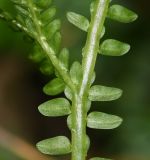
99, 120
113, 47
58, 145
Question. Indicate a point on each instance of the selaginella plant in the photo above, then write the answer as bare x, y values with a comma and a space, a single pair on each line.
36, 19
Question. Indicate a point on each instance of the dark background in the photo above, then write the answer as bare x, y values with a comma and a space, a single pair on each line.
21, 85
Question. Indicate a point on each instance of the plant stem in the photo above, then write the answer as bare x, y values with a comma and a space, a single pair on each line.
48, 49
79, 111
5, 17
79, 101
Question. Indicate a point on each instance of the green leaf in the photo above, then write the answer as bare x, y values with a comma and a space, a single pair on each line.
21, 19
47, 15
5, 15
102, 93
99, 120
55, 42
92, 6
37, 54
88, 105
42, 3
46, 67
76, 72
93, 78
13, 24
68, 93
87, 143
64, 57
69, 122
55, 146
21, 2
54, 87
55, 107
78, 20
21, 10
50, 29
103, 32
30, 26
98, 158
121, 14
111, 47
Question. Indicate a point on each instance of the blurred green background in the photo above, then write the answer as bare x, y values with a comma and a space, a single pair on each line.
21, 86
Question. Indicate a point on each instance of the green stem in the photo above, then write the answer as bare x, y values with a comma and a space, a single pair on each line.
4, 16
79, 111
63, 72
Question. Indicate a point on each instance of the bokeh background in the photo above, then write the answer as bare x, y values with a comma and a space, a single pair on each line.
21, 82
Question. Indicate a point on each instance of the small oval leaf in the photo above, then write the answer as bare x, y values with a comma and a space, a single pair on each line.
87, 143
21, 10
102, 93
43, 3
64, 57
93, 78
30, 26
50, 29
88, 105
47, 15
46, 67
21, 2
37, 54
103, 32
121, 14
111, 47
76, 72
68, 93
54, 87
55, 42
55, 107
78, 20
99, 120
92, 6
69, 123
55, 146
